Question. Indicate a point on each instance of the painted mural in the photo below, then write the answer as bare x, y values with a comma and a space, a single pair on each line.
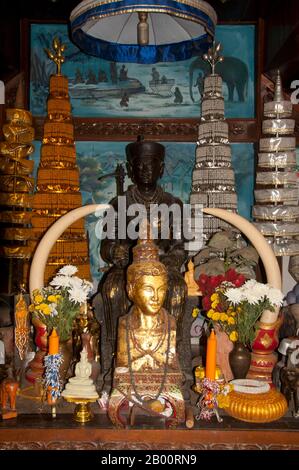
97, 159
100, 88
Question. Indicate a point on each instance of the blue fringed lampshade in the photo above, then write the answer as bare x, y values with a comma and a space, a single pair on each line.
175, 30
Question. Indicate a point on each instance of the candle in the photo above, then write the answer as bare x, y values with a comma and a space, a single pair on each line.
211, 356
54, 342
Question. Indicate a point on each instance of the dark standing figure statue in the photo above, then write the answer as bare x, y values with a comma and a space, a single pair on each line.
145, 165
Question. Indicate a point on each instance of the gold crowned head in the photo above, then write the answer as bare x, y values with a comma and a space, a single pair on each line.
145, 250
56, 55
145, 257
213, 56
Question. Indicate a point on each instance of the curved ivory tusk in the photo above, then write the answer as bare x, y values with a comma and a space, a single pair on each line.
262, 247
39, 261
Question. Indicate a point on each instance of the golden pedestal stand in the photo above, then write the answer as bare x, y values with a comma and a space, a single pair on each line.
82, 413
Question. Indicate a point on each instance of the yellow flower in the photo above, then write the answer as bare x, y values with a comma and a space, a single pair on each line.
232, 314
52, 298
238, 309
195, 312
231, 321
223, 401
214, 304
31, 308
45, 309
216, 316
210, 313
215, 297
223, 316
233, 336
38, 298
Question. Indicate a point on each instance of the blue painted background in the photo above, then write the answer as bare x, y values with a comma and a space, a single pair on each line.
238, 41
98, 158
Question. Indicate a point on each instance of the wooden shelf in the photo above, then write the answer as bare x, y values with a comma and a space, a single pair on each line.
41, 432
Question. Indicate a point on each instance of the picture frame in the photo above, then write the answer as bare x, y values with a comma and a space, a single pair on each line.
119, 127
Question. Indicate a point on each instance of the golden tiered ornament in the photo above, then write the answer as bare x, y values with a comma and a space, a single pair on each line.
15, 195
58, 188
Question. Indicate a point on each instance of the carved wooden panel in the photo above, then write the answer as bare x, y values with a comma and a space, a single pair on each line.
121, 445
179, 130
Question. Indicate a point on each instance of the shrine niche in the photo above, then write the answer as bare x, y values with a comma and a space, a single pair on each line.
151, 107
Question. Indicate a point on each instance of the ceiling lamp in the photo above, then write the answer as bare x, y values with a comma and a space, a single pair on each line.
145, 32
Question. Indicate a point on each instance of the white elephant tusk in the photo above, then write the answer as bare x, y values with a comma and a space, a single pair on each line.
39, 261
262, 247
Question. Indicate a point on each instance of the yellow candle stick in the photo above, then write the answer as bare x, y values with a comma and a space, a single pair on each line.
211, 356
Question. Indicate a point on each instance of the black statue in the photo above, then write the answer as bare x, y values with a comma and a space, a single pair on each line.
145, 165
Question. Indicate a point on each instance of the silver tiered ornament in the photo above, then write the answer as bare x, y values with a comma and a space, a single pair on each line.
276, 211
213, 179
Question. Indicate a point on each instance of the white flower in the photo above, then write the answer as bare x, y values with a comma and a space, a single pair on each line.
234, 295
254, 291
77, 295
251, 284
75, 282
252, 298
68, 270
275, 296
87, 287
60, 281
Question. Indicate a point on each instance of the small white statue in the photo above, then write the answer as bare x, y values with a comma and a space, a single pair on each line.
81, 386
83, 368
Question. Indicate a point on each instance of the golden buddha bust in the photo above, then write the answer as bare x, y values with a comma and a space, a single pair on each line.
147, 334
147, 368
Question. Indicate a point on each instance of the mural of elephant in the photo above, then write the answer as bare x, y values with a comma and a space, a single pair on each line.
234, 73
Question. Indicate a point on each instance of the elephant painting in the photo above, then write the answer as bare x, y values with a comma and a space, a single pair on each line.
234, 73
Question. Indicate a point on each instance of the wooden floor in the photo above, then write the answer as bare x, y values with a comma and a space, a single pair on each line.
41, 432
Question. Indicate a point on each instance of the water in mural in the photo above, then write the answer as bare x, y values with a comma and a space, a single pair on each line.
99, 88
97, 159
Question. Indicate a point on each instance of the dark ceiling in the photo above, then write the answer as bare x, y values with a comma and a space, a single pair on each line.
281, 28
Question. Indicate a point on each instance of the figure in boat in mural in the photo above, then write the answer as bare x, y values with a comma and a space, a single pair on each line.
123, 74
161, 86
105, 84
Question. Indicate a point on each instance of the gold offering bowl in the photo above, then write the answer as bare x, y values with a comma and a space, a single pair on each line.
257, 408
82, 413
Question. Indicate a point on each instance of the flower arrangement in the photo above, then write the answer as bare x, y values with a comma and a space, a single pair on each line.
236, 305
213, 396
58, 304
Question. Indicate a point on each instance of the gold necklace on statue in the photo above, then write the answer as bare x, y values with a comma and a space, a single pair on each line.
132, 377
140, 198
149, 351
